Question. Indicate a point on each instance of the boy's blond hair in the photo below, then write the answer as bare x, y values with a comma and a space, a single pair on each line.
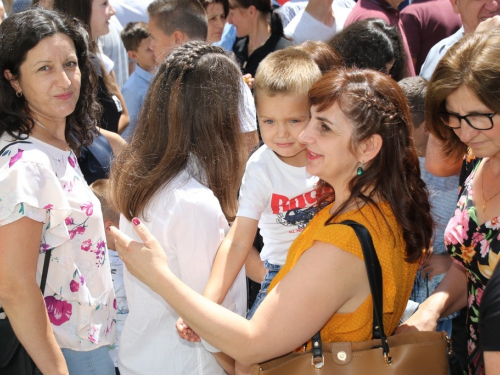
101, 189
287, 71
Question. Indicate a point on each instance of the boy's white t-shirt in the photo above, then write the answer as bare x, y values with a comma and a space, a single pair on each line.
281, 197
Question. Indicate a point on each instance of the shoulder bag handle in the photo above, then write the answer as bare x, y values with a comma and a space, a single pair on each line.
374, 272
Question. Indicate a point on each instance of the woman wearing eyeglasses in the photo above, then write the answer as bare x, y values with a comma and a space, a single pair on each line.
463, 106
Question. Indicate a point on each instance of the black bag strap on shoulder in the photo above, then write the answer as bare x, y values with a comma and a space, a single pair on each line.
374, 271
43, 280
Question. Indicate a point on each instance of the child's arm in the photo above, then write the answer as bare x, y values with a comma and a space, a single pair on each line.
254, 266
232, 254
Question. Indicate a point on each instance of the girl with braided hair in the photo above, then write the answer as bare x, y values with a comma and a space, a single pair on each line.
181, 174
359, 143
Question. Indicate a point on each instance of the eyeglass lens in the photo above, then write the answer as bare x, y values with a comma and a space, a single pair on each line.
477, 121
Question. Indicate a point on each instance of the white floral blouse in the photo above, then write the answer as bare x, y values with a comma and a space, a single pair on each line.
45, 183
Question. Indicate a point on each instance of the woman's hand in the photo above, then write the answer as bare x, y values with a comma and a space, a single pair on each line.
436, 265
146, 260
185, 332
422, 320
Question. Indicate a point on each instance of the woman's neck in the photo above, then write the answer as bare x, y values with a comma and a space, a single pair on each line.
494, 165
321, 11
259, 35
51, 132
343, 194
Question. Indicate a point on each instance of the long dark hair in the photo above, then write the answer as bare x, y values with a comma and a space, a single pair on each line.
375, 104
372, 44
191, 110
20, 33
265, 8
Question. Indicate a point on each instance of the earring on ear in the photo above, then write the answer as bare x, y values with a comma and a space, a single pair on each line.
360, 169
19, 94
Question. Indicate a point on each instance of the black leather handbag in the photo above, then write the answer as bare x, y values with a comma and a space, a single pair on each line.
14, 359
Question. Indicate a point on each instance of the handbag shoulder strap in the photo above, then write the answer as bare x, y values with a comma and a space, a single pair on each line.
374, 271
43, 281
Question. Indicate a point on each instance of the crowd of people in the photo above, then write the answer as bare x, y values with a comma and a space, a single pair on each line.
180, 170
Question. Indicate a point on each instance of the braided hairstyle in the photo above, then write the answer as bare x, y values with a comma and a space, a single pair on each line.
191, 110
375, 104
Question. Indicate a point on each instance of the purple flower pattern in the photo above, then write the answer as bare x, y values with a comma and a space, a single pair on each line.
82, 234
59, 311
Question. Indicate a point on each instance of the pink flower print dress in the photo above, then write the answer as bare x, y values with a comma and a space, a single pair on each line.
45, 183
476, 248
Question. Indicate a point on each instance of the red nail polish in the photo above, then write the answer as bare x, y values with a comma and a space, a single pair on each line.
136, 221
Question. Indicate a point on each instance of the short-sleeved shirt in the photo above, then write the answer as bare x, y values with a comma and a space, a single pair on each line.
397, 273
305, 27
281, 197
45, 184
425, 24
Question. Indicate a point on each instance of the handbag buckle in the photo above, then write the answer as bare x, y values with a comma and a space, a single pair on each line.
318, 362
387, 359
449, 345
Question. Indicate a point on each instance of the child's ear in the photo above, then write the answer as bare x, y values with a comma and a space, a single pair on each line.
132, 55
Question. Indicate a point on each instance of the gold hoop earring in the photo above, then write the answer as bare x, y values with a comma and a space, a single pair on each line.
19, 94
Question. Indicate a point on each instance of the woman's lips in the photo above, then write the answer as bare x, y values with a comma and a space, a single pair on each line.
311, 155
64, 96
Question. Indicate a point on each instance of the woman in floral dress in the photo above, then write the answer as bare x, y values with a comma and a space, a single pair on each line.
47, 113
463, 104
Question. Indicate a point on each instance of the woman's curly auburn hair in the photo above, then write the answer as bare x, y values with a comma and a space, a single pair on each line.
375, 104
19, 34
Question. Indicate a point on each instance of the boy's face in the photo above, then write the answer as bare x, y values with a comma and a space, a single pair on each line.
144, 55
161, 43
281, 119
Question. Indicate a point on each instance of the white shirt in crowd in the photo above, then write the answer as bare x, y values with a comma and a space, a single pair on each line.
281, 197
131, 10
187, 220
305, 27
437, 52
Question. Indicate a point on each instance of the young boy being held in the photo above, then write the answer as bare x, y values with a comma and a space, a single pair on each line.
136, 38
277, 195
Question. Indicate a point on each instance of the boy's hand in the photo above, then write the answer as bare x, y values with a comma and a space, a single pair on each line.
248, 80
185, 332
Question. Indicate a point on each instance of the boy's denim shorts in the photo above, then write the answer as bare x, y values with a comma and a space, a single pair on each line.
272, 270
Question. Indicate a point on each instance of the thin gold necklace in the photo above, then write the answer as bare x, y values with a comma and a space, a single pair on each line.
482, 185
52, 134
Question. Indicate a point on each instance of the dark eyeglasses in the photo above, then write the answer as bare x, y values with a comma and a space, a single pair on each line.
478, 121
